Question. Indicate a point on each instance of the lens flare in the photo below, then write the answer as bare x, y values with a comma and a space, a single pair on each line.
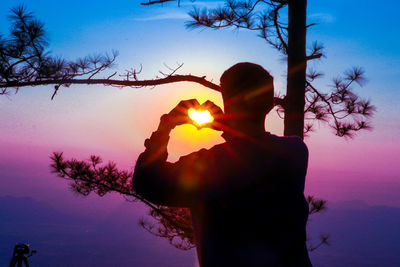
200, 117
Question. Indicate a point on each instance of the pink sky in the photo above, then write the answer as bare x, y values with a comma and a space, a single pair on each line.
363, 168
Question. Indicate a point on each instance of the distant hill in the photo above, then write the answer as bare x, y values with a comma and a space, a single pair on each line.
361, 235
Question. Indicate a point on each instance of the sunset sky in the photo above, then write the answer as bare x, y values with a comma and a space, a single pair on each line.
113, 123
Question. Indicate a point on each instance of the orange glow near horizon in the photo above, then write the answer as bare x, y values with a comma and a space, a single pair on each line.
200, 117
186, 139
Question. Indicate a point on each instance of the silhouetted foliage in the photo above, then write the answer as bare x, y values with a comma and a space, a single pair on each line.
174, 224
345, 112
24, 60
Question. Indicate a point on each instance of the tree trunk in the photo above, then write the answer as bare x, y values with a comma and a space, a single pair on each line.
297, 64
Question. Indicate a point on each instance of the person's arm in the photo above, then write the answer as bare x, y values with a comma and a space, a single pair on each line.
156, 179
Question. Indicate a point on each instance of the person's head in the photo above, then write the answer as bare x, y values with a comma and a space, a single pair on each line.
248, 93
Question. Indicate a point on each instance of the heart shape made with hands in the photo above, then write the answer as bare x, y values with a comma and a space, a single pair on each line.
200, 116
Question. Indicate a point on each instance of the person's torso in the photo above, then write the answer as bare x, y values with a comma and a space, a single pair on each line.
257, 207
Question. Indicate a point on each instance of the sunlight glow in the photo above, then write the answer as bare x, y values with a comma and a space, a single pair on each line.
188, 138
200, 117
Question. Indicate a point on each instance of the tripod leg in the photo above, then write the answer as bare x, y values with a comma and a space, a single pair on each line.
13, 262
26, 262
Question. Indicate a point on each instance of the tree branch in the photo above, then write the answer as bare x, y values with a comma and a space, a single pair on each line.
277, 27
311, 57
153, 2
330, 108
122, 83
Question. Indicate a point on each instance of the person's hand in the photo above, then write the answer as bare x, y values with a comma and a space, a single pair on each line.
217, 114
179, 114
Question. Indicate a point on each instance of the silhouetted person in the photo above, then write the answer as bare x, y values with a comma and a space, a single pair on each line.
245, 195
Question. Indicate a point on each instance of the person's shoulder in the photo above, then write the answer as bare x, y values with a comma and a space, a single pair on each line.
292, 142
194, 155
205, 153
295, 140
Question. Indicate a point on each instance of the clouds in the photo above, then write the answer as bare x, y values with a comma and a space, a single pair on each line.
175, 12
202, 4
322, 17
169, 15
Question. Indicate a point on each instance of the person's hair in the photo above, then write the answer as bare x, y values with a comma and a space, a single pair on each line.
247, 83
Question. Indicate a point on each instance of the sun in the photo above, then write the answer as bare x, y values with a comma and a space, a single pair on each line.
200, 117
